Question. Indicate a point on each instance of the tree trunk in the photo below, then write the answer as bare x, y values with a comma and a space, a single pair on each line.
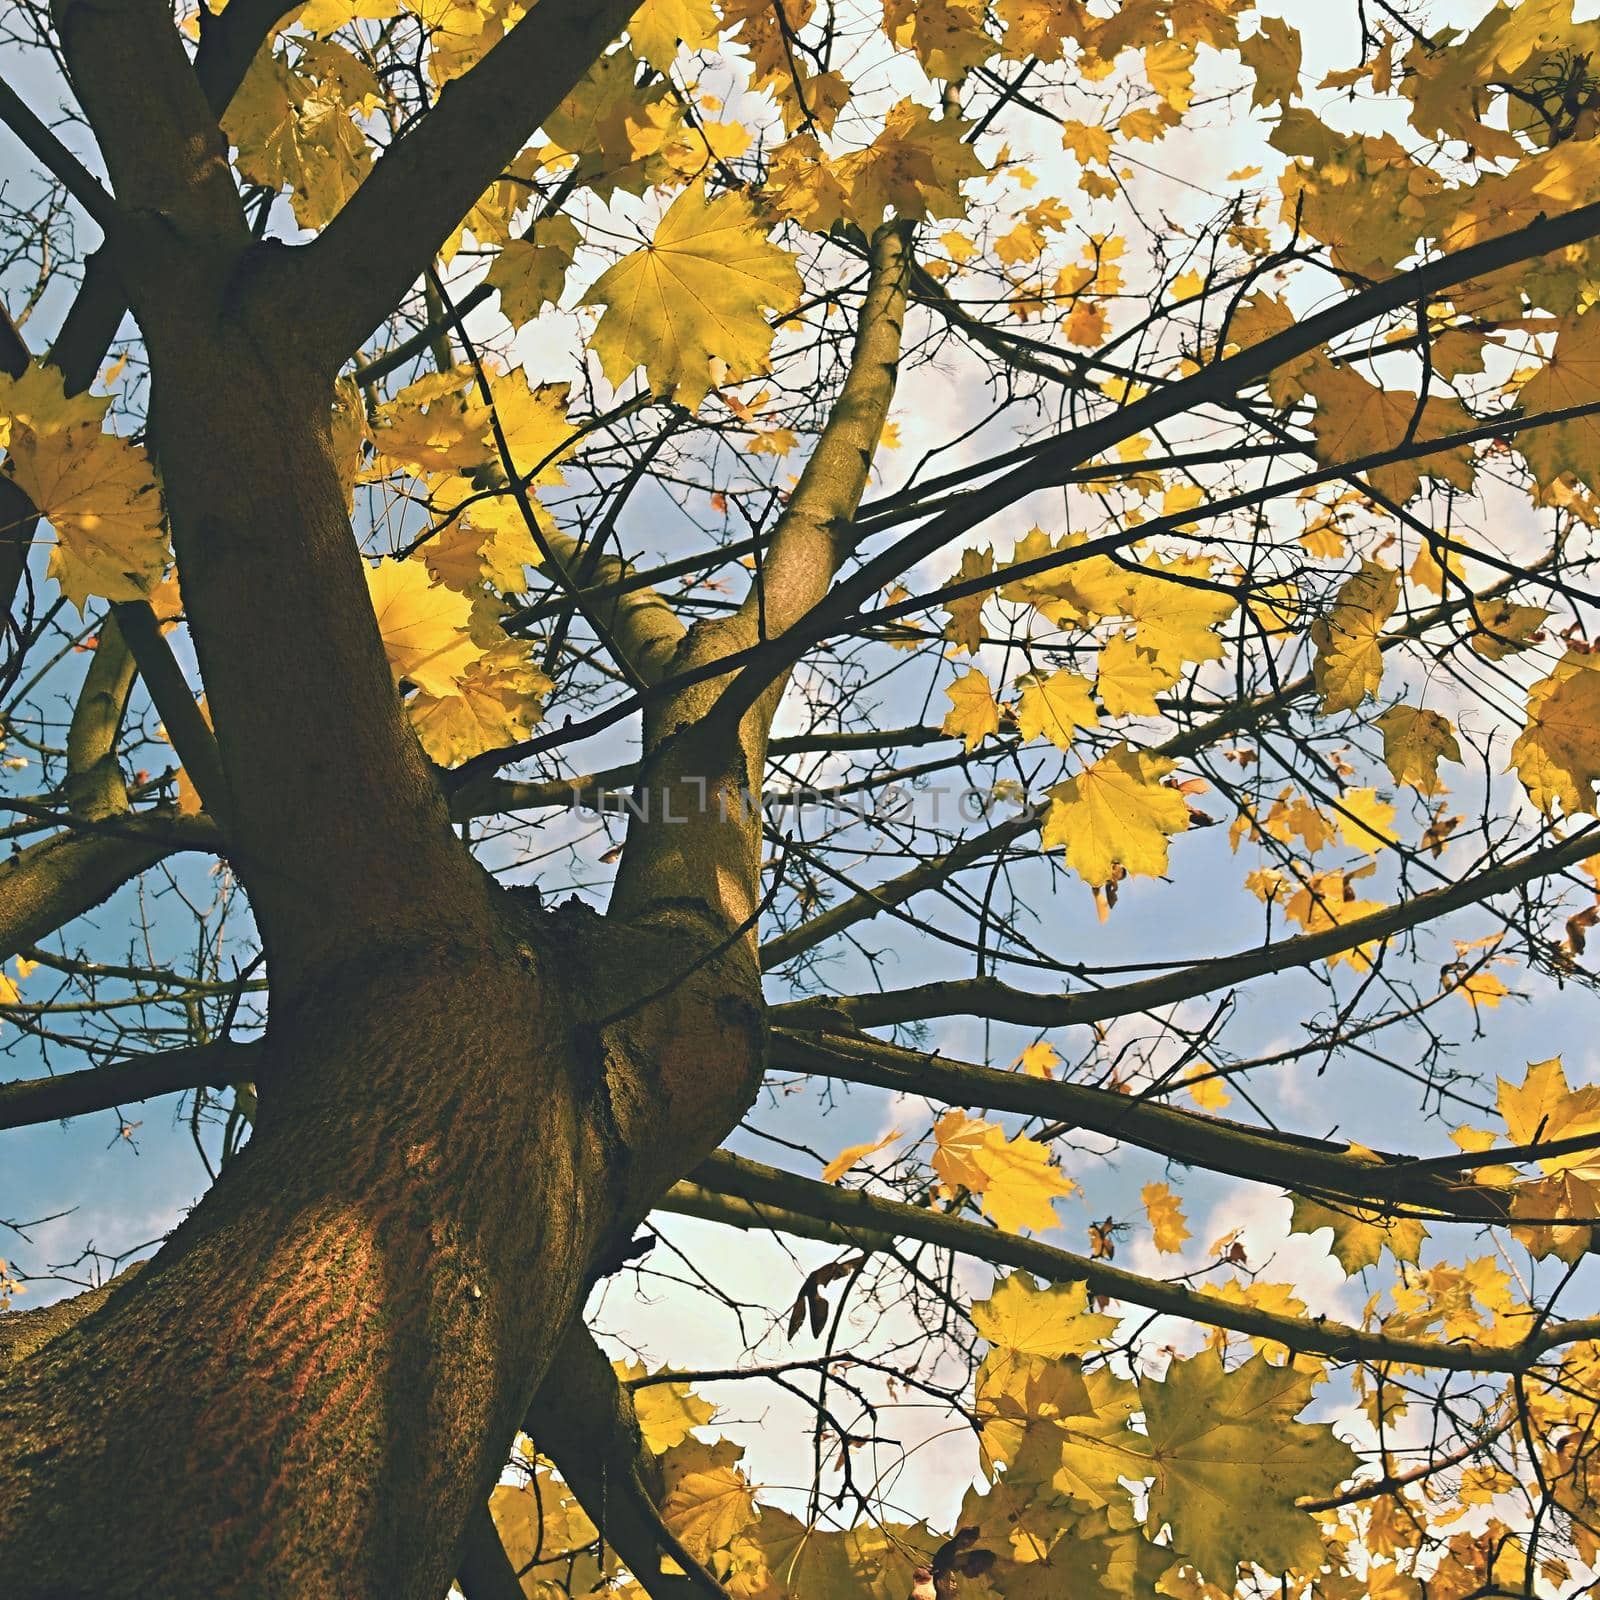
318, 1378
465, 1107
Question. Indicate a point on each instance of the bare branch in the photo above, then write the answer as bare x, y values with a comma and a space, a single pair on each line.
119, 1083
989, 997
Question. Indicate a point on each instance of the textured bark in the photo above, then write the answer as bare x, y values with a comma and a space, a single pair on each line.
328, 1359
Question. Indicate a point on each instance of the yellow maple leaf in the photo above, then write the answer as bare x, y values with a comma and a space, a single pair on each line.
1349, 663
1039, 1060
667, 1412
530, 272
1415, 740
1273, 54
1165, 1212
1228, 1438
1169, 65
425, 627
533, 423
1129, 678
1174, 620
706, 1506
1056, 707
481, 538
1086, 324
698, 293
297, 127
1116, 813
1205, 1088
37, 399
1505, 628
1360, 1234
1021, 1182
1571, 377
1479, 988
973, 713
851, 1154
957, 1140
1026, 1320
1365, 820
1356, 419
438, 423
496, 700
1557, 755
99, 493
1542, 1108
947, 36
965, 627
659, 26
1329, 900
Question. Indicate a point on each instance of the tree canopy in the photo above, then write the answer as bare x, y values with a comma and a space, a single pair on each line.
919, 678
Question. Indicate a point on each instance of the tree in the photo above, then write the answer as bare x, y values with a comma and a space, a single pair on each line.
467, 348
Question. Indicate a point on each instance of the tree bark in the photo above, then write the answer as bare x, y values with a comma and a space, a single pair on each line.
317, 1379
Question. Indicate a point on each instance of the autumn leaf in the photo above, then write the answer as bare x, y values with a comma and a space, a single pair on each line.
1273, 54
296, 127
530, 272
425, 627
1570, 378
707, 1501
1038, 1060
1116, 813
1026, 1320
1021, 1183
958, 1140
698, 293
965, 626
1415, 741
1208, 1090
851, 1154
1166, 1218
1056, 707
496, 700
667, 1412
1359, 1233
1557, 755
1365, 821
660, 26
1218, 1440
1129, 678
973, 713
1349, 662
98, 492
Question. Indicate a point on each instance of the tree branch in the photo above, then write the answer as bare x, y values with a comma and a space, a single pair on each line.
1000, 1002
56, 159
187, 728
1302, 1164
584, 1421
158, 137
484, 1570
30, 1101
1220, 380
860, 1214
702, 774
934, 870
50, 883
346, 280
94, 787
